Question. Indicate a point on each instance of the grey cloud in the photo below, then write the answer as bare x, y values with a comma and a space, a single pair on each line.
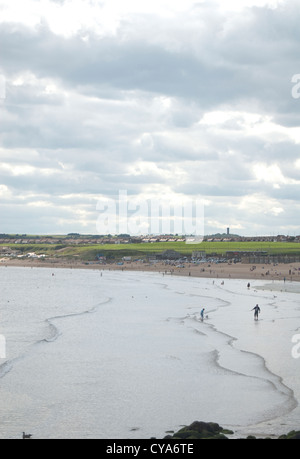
137, 97
133, 65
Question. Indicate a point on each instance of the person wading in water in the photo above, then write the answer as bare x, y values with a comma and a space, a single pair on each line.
256, 310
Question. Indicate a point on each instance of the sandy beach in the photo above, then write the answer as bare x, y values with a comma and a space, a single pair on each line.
288, 271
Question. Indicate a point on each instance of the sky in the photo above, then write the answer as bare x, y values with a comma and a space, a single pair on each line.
169, 101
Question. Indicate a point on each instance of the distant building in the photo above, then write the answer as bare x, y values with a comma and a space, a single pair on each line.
199, 254
169, 255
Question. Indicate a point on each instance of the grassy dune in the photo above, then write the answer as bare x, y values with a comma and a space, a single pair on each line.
89, 252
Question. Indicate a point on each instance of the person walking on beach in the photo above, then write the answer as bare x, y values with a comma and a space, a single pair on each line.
202, 314
256, 310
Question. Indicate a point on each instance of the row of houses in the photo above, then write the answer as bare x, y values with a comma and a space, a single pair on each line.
279, 238
90, 240
127, 239
13, 254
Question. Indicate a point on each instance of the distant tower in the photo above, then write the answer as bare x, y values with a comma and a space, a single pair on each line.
228, 231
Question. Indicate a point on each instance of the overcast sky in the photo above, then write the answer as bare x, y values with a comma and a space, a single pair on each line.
169, 100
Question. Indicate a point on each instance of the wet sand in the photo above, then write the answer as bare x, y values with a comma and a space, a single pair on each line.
288, 272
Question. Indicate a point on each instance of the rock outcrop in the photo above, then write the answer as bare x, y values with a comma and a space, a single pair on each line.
200, 430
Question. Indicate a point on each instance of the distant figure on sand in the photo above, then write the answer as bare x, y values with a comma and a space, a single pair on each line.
256, 310
202, 314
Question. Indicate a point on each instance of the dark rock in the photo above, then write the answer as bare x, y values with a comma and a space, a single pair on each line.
200, 427
292, 435
201, 430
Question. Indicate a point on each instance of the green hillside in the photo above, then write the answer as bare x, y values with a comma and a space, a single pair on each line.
89, 251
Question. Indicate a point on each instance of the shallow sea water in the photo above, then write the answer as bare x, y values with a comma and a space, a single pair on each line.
114, 355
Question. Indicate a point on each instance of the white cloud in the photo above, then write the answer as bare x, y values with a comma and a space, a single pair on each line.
166, 98
267, 173
64, 19
258, 203
272, 174
104, 16
5, 193
276, 211
238, 5
17, 170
